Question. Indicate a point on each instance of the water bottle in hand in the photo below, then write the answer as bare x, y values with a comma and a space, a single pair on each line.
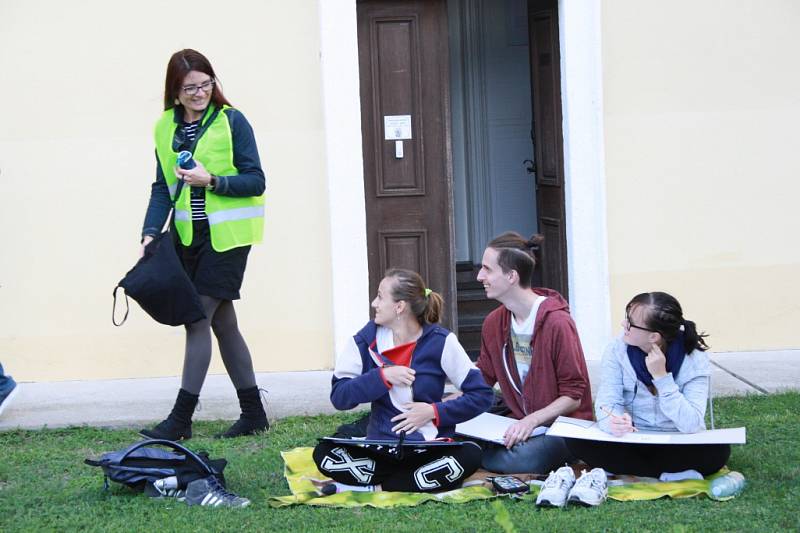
727, 486
185, 160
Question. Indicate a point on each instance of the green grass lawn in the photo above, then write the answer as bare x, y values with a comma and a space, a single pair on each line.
44, 486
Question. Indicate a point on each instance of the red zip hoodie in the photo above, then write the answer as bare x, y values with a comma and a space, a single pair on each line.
558, 367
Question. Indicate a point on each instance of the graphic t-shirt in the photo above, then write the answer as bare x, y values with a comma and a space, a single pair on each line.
521, 338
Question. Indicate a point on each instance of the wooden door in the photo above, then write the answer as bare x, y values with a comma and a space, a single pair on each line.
548, 141
402, 54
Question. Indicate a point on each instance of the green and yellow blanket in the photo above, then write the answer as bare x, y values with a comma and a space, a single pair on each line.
304, 481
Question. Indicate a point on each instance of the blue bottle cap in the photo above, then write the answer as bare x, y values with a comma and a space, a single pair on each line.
185, 160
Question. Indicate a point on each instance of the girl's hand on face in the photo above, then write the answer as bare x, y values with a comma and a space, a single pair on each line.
194, 177
656, 362
418, 414
399, 375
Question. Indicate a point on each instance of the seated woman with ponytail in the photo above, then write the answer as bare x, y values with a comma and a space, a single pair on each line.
655, 377
399, 363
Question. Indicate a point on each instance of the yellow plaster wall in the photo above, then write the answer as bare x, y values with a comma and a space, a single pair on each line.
82, 84
702, 106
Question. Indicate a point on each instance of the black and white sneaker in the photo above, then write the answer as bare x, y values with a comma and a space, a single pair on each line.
209, 492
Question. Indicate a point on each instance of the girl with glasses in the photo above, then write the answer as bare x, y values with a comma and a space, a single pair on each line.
219, 210
655, 377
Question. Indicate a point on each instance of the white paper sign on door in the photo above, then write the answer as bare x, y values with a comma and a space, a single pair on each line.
396, 127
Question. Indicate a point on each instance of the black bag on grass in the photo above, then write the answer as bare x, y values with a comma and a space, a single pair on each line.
144, 462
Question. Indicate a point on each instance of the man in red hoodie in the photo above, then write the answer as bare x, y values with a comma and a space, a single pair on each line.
530, 346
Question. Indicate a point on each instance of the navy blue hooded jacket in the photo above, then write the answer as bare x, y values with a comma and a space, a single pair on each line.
438, 356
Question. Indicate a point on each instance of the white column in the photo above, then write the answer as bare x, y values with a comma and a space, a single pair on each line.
584, 170
342, 115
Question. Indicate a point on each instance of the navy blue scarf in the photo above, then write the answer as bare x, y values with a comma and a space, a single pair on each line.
675, 356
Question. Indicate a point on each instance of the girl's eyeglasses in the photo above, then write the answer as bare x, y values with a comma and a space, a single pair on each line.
628, 325
191, 90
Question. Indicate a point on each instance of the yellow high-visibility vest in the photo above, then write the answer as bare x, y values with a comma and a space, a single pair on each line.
233, 221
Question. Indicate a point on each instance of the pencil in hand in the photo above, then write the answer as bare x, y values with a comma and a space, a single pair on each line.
610, 413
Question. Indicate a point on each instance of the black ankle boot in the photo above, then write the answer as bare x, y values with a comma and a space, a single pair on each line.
253, 418
178, 425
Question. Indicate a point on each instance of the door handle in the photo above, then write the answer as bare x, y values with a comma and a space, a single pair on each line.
530, 166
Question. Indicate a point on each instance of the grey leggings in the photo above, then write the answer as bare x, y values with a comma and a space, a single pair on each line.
221, 318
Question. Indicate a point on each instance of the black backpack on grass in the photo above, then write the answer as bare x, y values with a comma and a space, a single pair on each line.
146, 461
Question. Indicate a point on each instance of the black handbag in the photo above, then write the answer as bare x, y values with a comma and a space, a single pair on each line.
160, 285
158, 282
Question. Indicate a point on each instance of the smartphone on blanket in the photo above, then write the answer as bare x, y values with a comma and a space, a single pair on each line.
509, 485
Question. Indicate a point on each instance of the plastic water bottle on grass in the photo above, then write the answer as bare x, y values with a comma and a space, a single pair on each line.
728, 486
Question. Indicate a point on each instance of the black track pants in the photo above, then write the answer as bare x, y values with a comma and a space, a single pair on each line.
650, 460
421, 469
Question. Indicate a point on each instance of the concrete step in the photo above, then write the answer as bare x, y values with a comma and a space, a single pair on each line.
133, 402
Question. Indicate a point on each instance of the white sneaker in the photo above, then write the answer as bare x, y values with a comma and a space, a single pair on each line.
591, 488
556, 487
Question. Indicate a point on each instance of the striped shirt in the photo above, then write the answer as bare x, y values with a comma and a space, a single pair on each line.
198, 196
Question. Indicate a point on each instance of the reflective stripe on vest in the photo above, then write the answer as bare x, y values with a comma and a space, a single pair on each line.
237, 221
235, 214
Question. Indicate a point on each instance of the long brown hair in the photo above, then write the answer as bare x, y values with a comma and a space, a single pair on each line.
180, 64
410, 287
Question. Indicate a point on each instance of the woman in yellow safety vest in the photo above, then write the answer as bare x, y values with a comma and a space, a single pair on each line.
219, 213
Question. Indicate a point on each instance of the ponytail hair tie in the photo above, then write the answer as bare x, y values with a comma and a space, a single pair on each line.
427, 292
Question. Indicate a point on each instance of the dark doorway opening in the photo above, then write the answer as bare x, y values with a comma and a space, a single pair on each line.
479, 81
505, 102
